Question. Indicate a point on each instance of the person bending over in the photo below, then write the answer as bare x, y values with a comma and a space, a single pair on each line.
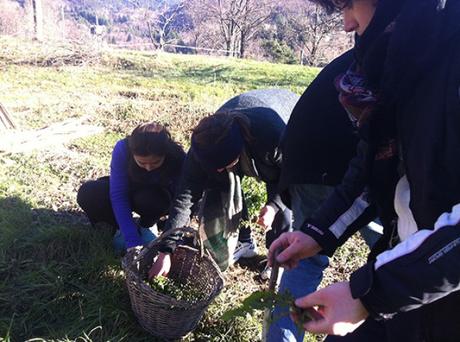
240, 139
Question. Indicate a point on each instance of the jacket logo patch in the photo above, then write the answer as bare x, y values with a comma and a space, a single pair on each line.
443, 251
312, 227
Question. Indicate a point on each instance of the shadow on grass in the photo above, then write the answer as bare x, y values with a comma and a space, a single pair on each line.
59, 279
255, 264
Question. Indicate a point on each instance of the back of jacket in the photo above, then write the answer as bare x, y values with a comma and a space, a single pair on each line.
319, 140
268, 110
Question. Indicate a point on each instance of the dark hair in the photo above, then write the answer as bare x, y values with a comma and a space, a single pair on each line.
153, 138
331, 6
212, 129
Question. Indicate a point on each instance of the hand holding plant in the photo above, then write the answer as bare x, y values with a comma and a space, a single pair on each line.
341, 313
295, 246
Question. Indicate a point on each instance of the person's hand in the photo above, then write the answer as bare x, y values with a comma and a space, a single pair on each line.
134, 249
341, 314
161, 266
266, 216
293, 246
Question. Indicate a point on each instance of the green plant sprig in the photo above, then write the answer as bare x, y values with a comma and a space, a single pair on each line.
180, 291
261, 300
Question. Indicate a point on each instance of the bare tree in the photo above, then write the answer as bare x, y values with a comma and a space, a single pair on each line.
311, 28
253, 14
238, 21
160, 24
159, 17
224, 13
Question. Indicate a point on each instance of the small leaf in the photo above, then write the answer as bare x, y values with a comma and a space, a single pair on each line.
259, 300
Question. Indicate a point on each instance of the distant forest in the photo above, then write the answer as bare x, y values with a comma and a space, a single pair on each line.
289, 31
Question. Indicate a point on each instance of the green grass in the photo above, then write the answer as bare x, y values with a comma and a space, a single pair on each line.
59, 278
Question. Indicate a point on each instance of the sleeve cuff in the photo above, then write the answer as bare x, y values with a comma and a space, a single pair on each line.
133, 243
171, 242
323, 237
362, 285
276, 203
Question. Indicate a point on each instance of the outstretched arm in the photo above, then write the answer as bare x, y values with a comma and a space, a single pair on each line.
120, 196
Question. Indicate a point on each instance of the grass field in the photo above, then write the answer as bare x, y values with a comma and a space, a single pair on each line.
59, 278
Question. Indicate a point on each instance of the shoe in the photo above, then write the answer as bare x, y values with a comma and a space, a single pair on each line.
245, 250
147, 234
118, 242
266, 273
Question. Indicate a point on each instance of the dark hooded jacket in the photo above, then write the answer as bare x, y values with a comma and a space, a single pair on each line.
268, 111
418, 79
319, 140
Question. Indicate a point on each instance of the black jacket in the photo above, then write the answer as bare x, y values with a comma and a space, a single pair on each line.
319, 140
268, 111
421, 88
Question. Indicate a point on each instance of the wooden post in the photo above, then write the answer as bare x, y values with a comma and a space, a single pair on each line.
5, 119
62, 23
38, 19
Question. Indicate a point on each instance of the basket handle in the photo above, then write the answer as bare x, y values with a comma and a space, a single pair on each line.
152, 247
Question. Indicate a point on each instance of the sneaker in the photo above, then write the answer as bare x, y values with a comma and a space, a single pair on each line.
118, 242
148, 234
245, 250
266, 273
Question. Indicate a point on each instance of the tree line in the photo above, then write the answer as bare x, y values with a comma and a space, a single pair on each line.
291, 31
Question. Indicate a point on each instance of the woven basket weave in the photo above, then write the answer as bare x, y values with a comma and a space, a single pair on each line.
161, 314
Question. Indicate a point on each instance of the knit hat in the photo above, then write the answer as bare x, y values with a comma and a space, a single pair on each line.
221, 153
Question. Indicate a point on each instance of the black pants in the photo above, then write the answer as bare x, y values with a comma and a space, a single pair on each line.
149, 201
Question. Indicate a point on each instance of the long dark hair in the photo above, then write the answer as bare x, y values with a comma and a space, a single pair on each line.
152, 138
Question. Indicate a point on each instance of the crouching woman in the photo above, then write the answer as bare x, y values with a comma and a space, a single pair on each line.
143, 171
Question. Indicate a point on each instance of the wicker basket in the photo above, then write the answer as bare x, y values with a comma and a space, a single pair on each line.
163, 315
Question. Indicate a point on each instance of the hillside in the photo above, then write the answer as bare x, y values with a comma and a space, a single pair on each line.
60, 280
291, 31
115, 4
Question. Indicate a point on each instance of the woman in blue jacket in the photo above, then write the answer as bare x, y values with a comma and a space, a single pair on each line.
143, 172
